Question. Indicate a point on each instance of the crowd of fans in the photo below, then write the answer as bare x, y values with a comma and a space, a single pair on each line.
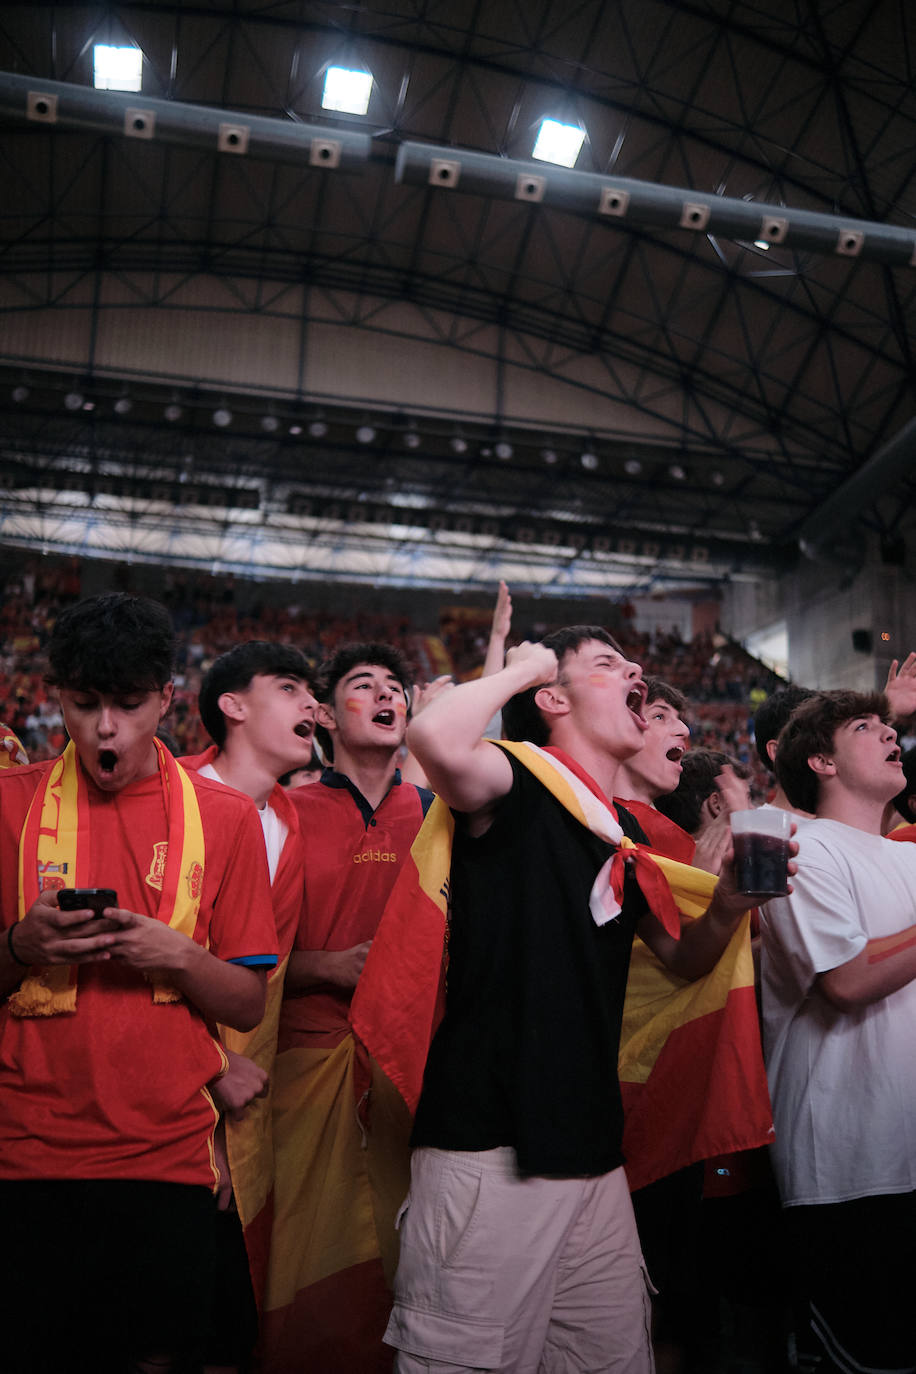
724, 684
838, 763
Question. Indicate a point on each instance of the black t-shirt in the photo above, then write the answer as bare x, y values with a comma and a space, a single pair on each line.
526, 1054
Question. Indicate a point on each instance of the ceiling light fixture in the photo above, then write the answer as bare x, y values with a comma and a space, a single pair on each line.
346, 90
559, 143
20, 393
503, 450
365, 434
123, 405
549, 456
270, 424
73, 400
117, 68
589, 460
173, 412
318, 429
458, 444
222, 417
633, 467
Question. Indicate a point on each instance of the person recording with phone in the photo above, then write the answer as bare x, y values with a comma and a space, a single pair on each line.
106, 1040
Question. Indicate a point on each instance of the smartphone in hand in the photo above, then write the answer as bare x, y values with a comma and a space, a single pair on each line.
95, 898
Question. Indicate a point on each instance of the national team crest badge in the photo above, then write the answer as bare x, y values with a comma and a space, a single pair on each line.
195, 881
51, 877
156, 876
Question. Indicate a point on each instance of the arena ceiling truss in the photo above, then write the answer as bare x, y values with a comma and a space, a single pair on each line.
240, 331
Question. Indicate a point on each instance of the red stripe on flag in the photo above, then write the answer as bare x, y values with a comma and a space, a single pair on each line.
708, 1073
400, 998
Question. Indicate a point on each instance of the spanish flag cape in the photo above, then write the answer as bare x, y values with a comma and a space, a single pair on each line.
249, 1142
54, 852
690, 1065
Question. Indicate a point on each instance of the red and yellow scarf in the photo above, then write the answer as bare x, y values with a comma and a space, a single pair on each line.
54, 852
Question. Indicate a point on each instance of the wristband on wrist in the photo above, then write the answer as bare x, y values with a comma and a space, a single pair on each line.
13, 955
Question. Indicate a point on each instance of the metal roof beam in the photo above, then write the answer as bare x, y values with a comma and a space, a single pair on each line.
650, 205
63, 105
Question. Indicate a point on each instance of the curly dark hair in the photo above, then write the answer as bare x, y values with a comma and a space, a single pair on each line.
114, 644
234, 671
343, 661
522, 718
812, 730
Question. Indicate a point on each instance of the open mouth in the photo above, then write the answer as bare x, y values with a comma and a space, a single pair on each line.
108, 760
636, 700
304, 729
385, 717
676, 754
893, 756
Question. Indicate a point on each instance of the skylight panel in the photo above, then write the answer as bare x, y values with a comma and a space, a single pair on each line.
560, 143
117, 69
347, 91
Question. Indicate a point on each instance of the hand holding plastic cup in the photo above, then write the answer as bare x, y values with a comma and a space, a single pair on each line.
761, 842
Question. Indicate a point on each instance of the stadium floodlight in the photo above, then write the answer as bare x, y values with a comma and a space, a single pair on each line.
559, 143
117, 69
347, 91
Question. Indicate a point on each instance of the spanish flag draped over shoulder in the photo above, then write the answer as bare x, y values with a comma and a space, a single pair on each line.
690, 1065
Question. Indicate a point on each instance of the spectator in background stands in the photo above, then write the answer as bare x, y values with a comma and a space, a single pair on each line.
209, 625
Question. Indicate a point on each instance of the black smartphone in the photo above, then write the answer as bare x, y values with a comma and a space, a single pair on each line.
95, 898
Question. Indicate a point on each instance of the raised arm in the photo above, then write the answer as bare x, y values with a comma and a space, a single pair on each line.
468, 772
499, 632
900, 688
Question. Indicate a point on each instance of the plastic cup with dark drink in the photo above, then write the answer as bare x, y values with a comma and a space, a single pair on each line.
761, 841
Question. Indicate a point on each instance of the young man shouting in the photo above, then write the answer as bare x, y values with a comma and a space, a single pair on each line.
518, 1246
655, 770
106, 1126
340, 1133
839, 1008
257, 708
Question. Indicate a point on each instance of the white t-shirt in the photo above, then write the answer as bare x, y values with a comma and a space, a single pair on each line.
275, 830
843, 1084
